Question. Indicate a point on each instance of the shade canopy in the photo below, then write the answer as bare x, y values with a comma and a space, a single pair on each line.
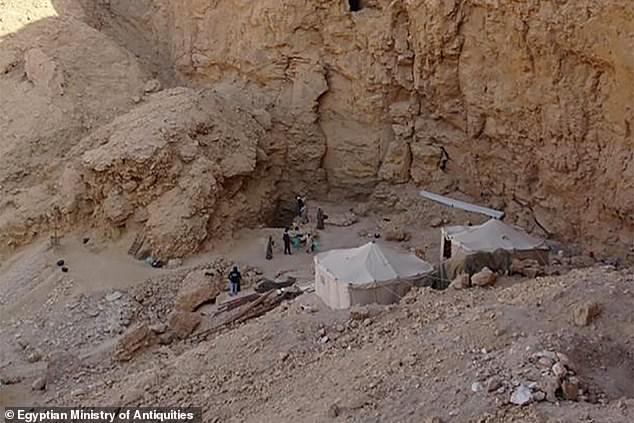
491, 236
368, 274
371, 263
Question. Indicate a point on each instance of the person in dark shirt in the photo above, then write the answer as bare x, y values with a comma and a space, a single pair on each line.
300, 206
269, 248
287, 242
234, 281
320, 218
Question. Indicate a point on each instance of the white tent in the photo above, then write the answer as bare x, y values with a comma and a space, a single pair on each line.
365, 275
490, 236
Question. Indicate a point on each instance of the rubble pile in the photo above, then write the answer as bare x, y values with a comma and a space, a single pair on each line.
545, 375
187, 288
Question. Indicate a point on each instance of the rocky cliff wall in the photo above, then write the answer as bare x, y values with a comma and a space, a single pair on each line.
522, 104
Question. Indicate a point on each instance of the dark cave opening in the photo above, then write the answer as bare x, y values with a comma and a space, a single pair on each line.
355, 5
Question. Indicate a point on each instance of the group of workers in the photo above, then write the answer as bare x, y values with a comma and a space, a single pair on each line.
289, 237
295, 234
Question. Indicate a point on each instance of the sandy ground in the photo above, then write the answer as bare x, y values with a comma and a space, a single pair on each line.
29, 277
31, 273
403, 363
31, 283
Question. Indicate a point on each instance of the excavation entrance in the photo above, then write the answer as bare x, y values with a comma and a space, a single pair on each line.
285, 212
355, 5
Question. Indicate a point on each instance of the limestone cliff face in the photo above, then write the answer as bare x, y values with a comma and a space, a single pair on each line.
523, 105
526, 104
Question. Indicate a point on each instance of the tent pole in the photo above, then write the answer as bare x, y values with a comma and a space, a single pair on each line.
441, 273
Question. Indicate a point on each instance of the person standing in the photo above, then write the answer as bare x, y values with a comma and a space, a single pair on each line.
320, 219
287, 242
309, 243
234, 281
300, 205
269, 248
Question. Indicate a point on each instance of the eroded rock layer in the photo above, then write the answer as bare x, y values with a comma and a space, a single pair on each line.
522, 105
527, 105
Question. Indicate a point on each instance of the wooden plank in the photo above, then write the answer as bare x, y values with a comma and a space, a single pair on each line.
450, 202
237, 302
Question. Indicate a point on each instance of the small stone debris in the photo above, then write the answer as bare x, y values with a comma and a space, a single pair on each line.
559, 370
60, 262
284, 356
334, 411
158, 328
33, 357
39, 384
324, 339
461, 281
359, 314
566, 361
550, 385
527, 267
174, 263
308, 308
114, 296
64, 269
476, 387
152, 86
493, 384
570, 390
585, 313
21, 343
522, 395
10, 379
397, 234
435, 222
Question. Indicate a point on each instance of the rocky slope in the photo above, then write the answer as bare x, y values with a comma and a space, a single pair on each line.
304, 362
525, 106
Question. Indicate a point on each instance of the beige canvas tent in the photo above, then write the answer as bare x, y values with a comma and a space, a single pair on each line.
490, 236
365, 275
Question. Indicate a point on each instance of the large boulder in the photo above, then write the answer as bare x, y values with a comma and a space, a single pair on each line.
134, 340
197, 289
183, 323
